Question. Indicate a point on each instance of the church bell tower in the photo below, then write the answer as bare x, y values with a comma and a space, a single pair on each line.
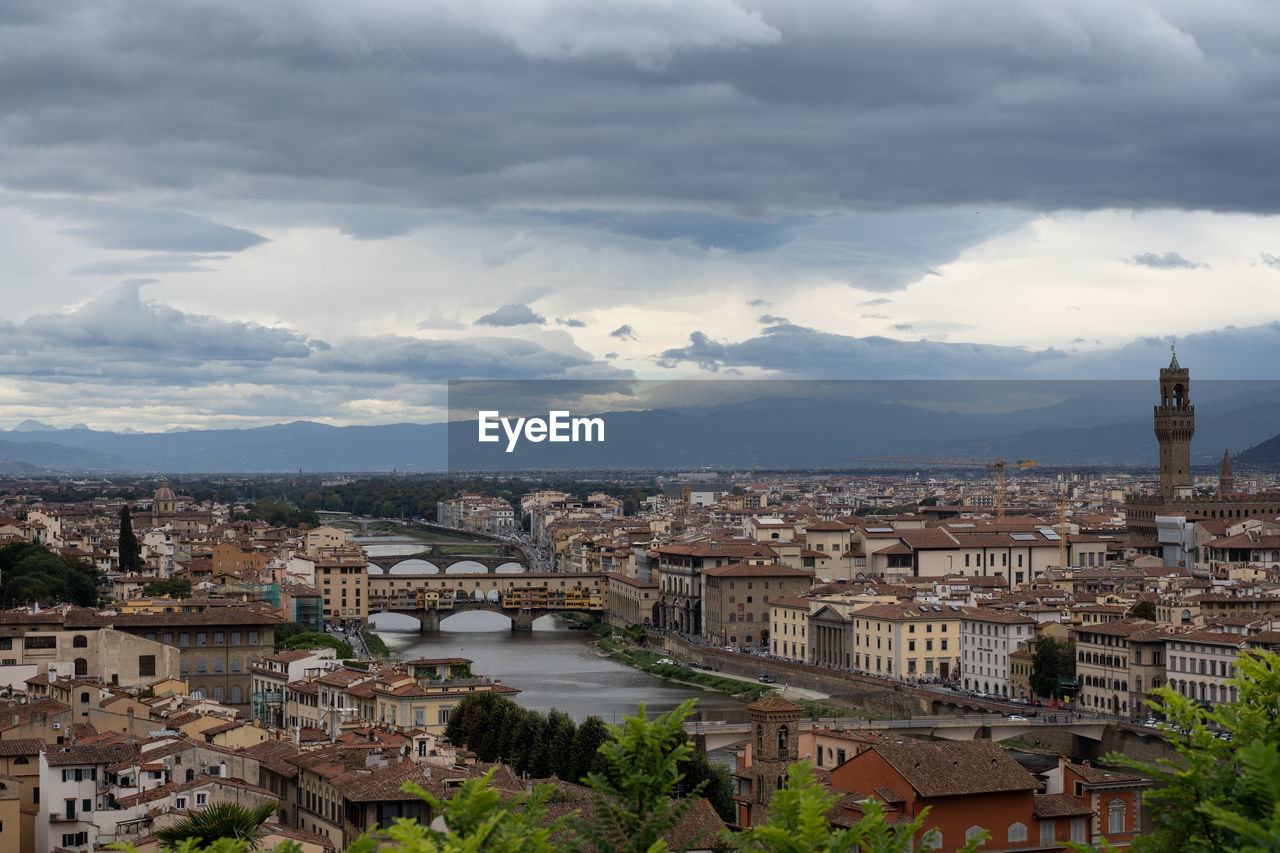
1175, 423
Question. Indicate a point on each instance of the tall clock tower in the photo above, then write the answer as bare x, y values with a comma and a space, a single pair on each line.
1175, 423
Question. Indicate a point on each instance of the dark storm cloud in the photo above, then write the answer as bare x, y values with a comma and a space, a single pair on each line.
1167, 261
775, 109
796, 351
511, 315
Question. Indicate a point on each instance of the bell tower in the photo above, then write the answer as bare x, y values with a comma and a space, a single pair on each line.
774, 731
1175, 423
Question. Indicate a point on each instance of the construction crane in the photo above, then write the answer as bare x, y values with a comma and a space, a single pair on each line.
998, 465
1063, 500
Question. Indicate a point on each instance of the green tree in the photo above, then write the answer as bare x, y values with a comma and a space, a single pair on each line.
130, 550
798, 824
1220, 796
1052, 660
633, 793
714, 781
30, 572
285, 631
173, 587
316, 640
1143, 610
587, 740
220, 820
561, 730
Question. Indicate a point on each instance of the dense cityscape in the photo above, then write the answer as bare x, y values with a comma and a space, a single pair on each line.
975, 649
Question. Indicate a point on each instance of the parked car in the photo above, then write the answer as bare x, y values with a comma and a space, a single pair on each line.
666, 662
766, 678
1017, 718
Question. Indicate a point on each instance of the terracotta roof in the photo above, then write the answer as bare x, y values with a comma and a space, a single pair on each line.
747, 570
955, 768
1101, 775
1058, 805
775, 705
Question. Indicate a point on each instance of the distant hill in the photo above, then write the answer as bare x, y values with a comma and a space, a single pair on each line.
1102, 424
1264, 455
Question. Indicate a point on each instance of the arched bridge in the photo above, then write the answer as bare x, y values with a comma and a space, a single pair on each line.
437, 556
522, 598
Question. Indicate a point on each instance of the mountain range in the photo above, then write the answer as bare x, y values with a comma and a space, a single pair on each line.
1109, 426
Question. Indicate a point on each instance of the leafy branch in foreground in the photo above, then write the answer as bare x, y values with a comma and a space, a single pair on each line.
798, 824
1219, 796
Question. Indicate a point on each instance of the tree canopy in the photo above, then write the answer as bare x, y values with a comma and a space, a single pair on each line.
31, 573
1052, 661
173, 587
316, 640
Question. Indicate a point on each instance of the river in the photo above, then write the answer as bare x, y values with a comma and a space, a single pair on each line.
552, 666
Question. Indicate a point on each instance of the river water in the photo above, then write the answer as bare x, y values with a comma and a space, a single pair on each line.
551, 665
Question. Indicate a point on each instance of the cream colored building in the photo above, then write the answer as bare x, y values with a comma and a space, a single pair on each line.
789, 622
907, 641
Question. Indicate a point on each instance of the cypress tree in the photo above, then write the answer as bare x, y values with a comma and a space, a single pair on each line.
130, 551
586, 746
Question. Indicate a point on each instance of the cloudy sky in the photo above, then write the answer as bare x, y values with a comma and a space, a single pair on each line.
244, 211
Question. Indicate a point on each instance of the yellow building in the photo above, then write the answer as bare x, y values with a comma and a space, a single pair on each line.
907, 641
400, 699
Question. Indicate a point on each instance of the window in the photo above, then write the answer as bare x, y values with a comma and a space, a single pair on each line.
6, 643
79, 641
39, 642
184, 639
146, 666
1048, 832
972, 832
200, 667
201, 798
82, 667
1079, 829
217, 638
202, 638
235, 638
253, 638
1017, 832
180, 803
237, 695
1115, 816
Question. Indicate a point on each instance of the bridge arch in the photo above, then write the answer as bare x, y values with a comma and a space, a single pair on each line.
393, 622
511, 567
415, 566
466, 567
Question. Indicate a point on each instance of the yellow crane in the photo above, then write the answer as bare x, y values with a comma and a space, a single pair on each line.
998, 465
1063, 500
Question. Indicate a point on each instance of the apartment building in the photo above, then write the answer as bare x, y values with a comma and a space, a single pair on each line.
907, 641
1201, 662
736, 600
988, 638
788, 628
342, 577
